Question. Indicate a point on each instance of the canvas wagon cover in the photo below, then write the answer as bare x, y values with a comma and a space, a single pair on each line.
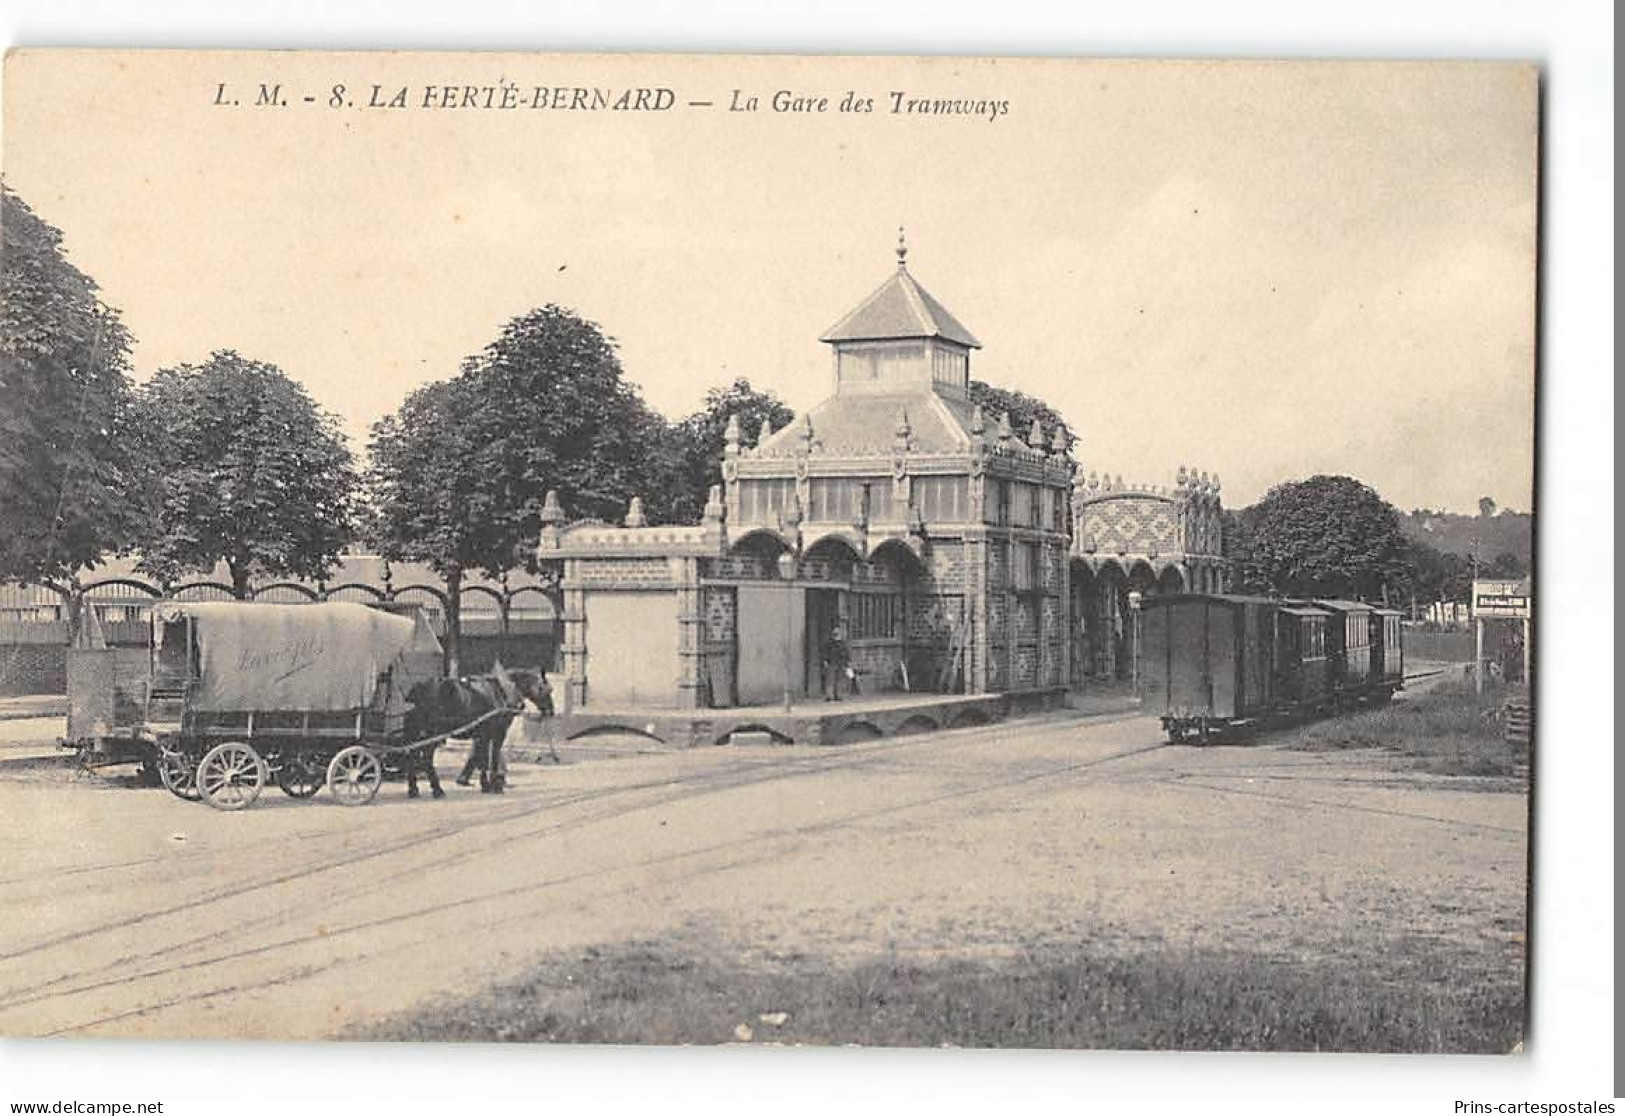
316, 657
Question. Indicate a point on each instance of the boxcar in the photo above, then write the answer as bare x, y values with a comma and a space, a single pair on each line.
1348, 649
1208, 662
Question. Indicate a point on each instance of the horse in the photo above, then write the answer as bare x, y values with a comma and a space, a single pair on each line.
450, 703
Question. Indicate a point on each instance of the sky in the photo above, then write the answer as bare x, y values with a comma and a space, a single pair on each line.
1261, 270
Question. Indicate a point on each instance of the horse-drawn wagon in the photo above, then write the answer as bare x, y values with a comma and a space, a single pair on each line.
239, 695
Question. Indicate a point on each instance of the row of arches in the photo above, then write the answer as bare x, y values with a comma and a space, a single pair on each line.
519, 625
122, 600
840, 547
1104, 633
1102, 630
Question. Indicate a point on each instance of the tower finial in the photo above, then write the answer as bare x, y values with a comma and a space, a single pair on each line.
902, 250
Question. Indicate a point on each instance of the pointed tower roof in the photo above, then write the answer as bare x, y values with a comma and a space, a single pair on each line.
900, 309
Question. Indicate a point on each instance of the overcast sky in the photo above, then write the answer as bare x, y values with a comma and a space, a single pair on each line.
1264, 271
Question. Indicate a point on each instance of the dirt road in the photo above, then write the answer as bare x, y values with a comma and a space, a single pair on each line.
129, 912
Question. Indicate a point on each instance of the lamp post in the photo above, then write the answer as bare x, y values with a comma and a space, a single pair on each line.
1135, 598
787, 573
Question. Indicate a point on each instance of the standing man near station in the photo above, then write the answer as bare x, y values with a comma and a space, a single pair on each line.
836, 659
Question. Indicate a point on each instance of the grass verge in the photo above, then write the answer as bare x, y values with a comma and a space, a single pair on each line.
1448, 729
702, 992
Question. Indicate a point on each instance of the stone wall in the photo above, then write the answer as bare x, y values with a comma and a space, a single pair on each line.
34, 668
719, 606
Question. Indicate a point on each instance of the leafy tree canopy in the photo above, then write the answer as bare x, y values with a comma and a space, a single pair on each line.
1505, 566
425, 498
250, 472
1328, 536
1236, 535
1425, 573
699, 440
1022, 409
68, 480
554, 412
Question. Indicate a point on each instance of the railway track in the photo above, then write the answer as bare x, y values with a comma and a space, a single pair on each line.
319, 917
514, 822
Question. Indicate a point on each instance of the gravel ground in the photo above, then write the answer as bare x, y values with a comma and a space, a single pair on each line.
149, 916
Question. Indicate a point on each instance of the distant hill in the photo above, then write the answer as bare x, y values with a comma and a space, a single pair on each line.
1507, 532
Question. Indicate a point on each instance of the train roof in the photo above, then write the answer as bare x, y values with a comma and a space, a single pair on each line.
1317, 608
1292, 609
1293, 606
1225, 598
1335, 605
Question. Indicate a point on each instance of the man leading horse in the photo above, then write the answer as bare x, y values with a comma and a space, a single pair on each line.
490, 702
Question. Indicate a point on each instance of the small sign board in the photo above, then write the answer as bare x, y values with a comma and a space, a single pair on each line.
1501, 600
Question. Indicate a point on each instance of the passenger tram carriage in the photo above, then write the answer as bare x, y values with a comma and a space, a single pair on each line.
1212, 666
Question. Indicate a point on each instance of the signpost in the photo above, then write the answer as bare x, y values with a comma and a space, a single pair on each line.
1500, 600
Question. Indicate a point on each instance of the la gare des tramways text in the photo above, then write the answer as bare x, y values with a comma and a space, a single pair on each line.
513, 97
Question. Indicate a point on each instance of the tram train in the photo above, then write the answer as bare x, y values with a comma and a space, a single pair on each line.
1212, 666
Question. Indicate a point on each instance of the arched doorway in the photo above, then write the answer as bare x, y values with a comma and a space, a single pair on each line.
1171, 580
829, 605
890, 649
759, 651
1142, 583
1083, 609
1111, 621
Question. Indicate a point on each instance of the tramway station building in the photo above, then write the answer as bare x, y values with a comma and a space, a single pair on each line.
1131, 541
945, 543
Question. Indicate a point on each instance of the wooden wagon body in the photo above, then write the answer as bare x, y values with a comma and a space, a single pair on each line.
241, 694
1302, 663
1212, 664
1348, 647
1387, 650
1206, 656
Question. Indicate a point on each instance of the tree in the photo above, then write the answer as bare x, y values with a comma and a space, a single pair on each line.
425, 499
69, 483
555, 413
1328, 536
1486, 506
1022, 409
699, 439
249, 472
1237, 545
1506, 567
1424, 573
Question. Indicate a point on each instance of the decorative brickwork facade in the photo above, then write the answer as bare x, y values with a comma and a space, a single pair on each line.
930, 534
943, 543
1137, 539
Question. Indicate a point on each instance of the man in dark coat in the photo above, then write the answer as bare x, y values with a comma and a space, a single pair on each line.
836, 658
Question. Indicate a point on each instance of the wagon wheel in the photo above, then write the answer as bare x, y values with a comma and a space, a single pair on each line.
354, 776
299, 775
231, 776
177, 770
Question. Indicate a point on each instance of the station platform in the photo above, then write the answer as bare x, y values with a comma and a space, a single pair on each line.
814, 721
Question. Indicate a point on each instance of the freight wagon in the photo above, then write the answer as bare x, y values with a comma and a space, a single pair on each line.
1214, 665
